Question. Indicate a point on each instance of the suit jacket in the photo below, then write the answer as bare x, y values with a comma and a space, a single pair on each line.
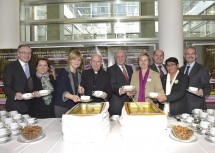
117, 81
91, 84
37, 106
65, 83
200, 78
177, 97
15, 81
154, 68
153, 84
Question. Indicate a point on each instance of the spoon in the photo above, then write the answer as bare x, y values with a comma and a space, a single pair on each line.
139, 109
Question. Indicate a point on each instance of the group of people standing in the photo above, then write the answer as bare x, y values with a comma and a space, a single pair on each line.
168, 80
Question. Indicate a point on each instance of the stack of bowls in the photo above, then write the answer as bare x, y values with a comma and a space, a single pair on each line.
210, 134
4, 133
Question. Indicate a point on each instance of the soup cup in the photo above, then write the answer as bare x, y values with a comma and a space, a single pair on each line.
153, 94
97, 93
204, 124
3, 112
193, 89
197, 111
31, 120
25, 116
27, 96
128, 87
3, 131
8, 120
185, 115
13, 126
85, 98
210, 111
17, 116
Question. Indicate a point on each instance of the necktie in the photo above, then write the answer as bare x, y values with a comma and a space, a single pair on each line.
187, 70
27, 70
124, 73
160, 70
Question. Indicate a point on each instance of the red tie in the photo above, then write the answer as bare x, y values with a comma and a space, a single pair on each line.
124, 73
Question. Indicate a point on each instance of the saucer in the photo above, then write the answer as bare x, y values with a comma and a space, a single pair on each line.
23, 140
86, 101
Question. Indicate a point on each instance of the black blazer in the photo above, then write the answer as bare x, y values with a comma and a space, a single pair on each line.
177, 97
37, 106
118, 80
65, 83
102, 83
15, 81
200, 78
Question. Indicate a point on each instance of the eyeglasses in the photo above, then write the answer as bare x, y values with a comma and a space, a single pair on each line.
25, 53
170, 65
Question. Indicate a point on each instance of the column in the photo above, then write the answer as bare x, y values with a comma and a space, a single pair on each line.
55, 31
170, 25
9, 26
147, 27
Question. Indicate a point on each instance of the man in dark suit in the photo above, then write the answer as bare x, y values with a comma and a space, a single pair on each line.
96, 79
120, 75
199, 78
15, 77
158, 66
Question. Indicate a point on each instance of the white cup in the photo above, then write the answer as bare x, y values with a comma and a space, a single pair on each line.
185, 115
128, 87
17, 116
115, 117
1, 124
3, 139
13, 126
3, 112
197, 111
85, 98
153, 94
3, 131
25, 116
23, 124
211, 138
8, 120
204, 124
193, 89
203, 115
11, 113
27, 95
97, 93
31, 120
210, 111
211, 118
189, 119
212, 130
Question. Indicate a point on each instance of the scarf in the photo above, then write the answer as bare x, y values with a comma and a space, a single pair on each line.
142, 84
168, 90
45, 80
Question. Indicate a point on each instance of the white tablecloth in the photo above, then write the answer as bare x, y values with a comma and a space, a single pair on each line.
53, 143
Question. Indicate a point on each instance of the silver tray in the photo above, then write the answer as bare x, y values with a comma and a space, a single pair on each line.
22, 140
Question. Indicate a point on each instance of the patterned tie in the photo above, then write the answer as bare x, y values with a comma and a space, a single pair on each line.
27, 70
187, 70
160, 70
124, 73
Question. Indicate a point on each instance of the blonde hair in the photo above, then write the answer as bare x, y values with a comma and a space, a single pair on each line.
76, 54
144, 54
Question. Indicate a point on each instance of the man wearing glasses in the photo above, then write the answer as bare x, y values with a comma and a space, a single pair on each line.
15, 77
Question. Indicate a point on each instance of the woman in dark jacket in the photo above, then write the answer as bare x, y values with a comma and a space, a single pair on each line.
41, 106
175, 84
68, 84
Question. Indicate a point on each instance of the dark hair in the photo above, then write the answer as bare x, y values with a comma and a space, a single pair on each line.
42, 59
22, 45
190, 47
172, 59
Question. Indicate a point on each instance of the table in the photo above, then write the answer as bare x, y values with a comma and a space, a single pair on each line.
53, 143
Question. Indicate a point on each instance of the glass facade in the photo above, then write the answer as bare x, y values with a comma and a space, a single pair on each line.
56, 20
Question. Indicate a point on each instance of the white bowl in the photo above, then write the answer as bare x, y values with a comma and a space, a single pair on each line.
27, 96
153, 94
44, 92
193, 89
3, 112
31, 120
85, 98
129, 87
184, 115
97, 93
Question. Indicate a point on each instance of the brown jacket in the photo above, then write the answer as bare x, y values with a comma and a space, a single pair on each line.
153, 84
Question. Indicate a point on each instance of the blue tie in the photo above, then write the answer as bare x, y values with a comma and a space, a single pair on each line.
27, 70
